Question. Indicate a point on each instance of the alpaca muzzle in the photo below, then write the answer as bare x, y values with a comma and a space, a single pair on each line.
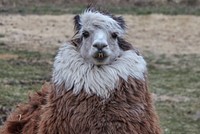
100, 55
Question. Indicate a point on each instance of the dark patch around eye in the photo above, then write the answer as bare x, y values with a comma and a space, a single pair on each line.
86, 34
114, 35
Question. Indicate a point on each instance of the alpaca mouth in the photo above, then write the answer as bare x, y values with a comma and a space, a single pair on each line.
100, 56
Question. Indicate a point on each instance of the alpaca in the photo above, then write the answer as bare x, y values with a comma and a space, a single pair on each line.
99, 86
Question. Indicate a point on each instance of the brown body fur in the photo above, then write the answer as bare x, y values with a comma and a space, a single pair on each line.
129, 110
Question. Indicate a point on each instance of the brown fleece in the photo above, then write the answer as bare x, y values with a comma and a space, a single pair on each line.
129, 110
24, 120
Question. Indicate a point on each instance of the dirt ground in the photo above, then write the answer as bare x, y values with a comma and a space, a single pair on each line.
159, 34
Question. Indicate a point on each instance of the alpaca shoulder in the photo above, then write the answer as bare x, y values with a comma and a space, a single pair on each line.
25, 116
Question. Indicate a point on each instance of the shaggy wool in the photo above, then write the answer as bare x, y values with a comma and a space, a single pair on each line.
129, 110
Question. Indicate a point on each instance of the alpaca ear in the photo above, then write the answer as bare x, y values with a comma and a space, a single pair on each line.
124, 45
77, 25
121, 22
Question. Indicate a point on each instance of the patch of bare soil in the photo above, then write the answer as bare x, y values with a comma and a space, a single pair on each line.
162, 34
7, 56
159, 34
176, 98
35, 33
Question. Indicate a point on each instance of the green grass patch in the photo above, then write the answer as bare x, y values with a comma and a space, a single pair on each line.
41, 10
177, 118
174, 76
19, 76
136, 10
168, 10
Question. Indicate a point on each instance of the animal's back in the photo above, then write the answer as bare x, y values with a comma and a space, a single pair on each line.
25, 118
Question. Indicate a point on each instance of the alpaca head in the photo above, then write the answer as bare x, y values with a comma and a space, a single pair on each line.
97, 57
99, 35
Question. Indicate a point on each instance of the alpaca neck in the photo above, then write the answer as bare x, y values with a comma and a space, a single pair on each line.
71, 71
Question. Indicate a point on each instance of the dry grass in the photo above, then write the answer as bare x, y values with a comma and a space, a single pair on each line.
7, 56
159, 34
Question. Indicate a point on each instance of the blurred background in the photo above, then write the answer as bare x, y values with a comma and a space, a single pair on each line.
167, 32
117, 6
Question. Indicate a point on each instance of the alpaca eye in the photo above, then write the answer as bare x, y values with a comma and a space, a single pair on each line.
114, 35
86, 34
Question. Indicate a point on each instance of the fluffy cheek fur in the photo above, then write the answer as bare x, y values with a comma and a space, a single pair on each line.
114, 49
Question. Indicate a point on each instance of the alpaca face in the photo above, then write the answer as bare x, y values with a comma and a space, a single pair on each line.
99, 46
99, 36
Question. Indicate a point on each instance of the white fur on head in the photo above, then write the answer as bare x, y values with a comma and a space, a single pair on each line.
71, 70
97, 19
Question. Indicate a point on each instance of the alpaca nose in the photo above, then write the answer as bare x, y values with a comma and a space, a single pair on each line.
100, 46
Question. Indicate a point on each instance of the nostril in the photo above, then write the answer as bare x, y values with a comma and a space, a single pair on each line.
104, 45
95, 45
100, 46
